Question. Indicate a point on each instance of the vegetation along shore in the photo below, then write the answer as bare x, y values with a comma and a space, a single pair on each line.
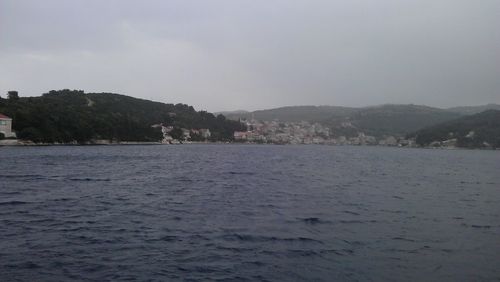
73, 117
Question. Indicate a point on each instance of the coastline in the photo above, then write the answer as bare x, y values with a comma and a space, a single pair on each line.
24, 143
15, 142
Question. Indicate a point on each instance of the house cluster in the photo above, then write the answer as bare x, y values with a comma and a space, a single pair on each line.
6, 127
363, 139
452, 142
185, 135
283, 133
303, 132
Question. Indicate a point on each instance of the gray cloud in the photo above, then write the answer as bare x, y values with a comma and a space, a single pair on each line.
221, 55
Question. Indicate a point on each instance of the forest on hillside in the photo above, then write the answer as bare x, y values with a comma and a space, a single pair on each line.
378, 121
476, 131
65, 116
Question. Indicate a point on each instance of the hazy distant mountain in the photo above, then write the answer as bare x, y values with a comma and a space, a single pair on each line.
377, 120
470, 110
469, 131
395, 120
295, 113
232, 113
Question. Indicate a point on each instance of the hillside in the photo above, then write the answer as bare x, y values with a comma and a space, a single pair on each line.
475, 131
385, 120
377, 121
470, 110
70, 115
294, 113
232, 113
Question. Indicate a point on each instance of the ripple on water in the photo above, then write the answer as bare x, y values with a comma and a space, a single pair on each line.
248, 213
15, 203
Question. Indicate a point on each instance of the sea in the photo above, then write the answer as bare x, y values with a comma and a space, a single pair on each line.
214, 212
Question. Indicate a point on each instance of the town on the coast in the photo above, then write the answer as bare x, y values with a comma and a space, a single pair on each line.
258, 132
303, 132
74, 117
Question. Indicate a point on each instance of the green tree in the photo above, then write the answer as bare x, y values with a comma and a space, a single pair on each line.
176, 133
31, 133
72, 115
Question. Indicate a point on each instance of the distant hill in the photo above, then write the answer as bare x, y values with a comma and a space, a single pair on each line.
377, 121
295, 113
232, 113
396, 120
475, 131
70, 115
470, 110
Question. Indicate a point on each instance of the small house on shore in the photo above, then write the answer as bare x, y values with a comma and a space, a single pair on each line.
6, 126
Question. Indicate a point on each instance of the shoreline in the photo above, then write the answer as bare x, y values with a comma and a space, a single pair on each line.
20, 143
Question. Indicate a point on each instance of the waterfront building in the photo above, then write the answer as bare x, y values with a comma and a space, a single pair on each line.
6, 126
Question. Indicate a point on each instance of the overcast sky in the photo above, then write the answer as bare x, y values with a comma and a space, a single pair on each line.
251, 54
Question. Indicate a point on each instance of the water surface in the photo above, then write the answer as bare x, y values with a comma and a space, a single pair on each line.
242, 212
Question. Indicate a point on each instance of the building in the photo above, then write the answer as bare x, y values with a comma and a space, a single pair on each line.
240, 135
167, 139
6, 126
186, 133
205, 133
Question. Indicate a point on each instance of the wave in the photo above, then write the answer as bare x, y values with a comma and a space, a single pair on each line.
261, 238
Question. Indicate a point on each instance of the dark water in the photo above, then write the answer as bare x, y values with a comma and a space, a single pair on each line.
229, 212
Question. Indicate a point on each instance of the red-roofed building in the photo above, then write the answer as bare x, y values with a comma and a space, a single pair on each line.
6, 126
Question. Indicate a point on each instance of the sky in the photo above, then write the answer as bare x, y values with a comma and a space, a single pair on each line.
254, 54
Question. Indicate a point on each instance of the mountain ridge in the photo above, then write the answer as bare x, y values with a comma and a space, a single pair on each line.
276, 111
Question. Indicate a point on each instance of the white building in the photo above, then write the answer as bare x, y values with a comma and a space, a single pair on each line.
6, 126
186, 134
205, 133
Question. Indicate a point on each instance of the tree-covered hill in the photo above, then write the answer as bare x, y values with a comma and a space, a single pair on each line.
475, 131
470, 110
379, 121
294, 113
72, 115
396, 120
